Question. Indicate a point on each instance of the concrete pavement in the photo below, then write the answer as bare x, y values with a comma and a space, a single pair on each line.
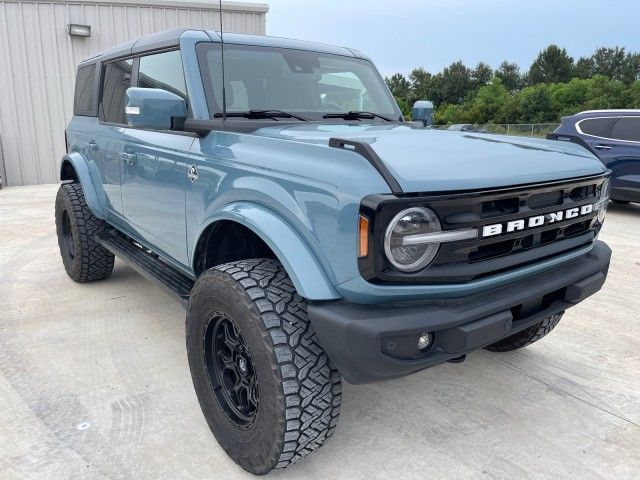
94, 383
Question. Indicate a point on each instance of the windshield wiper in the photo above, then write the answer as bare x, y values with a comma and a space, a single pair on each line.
258, 114
356, 115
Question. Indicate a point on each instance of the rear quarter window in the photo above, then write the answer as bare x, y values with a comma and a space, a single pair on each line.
116, 79
627, 128
597, 127
84, 101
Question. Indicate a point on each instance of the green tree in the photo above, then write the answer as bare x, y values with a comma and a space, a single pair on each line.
611, 62
456, 82
536, 105
569, 98
584, 67
632, 69
481, 75
552, 65
399, 85
509, 73
488, 102
606, 93
634, 95
421, 85
450, 113
511, 111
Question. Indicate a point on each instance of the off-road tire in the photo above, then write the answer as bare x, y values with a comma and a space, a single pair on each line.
526, 336
84, 259
299, 392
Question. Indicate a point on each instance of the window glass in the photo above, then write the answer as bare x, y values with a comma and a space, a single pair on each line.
85, 94
115, 82
163, 70
627, 128
598, 127
311, 83
343, 91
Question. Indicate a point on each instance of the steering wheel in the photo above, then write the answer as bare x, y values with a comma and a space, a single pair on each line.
330, 107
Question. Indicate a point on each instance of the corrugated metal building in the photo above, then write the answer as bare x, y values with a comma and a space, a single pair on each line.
38, 59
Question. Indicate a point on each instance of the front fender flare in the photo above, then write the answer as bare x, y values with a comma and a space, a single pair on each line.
86, 172
299, 261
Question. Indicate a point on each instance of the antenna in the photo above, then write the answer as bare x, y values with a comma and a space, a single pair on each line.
224, 93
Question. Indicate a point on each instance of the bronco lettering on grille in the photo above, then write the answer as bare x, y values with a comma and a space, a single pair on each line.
537, 221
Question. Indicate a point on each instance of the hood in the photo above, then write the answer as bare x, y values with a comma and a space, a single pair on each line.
441, 160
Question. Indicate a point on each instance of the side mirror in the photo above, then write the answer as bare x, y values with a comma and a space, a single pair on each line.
153, 108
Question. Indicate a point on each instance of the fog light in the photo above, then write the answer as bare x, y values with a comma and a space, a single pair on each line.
601, 213
424, 341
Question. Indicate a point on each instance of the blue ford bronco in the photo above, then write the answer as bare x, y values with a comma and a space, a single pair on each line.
272, 186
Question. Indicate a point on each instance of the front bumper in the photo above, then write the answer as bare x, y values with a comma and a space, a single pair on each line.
357, 337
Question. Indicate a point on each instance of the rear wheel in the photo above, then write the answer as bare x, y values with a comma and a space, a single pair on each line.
84, 259
526, 336
265, 385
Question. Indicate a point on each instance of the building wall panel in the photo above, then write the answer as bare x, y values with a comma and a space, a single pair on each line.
39, 61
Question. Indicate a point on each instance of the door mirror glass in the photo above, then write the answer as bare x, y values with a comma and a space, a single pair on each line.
153, 108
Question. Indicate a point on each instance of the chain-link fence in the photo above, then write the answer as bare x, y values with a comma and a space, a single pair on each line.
539, 130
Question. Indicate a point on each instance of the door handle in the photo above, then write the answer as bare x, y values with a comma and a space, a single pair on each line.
129, 158
91, 146
603, 147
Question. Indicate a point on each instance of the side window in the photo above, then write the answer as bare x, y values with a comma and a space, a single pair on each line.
627, 128
85, 94
598, 127
115, 81
163, 70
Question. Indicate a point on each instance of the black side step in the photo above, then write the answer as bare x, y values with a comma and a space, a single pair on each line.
147, 264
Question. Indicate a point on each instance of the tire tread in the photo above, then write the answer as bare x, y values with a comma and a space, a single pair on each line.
95, 261
526, 336
311, 388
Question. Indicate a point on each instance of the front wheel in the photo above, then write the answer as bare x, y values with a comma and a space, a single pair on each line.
265, 385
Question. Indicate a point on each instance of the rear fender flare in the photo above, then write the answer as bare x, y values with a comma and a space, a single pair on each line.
85, 172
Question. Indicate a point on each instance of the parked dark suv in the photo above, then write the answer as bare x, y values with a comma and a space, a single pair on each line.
614, 136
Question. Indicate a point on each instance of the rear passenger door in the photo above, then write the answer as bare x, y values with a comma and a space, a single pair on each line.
596, 132
624, 158
154, 166
107, 143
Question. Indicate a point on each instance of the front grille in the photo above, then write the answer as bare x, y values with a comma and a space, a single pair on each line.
468, 260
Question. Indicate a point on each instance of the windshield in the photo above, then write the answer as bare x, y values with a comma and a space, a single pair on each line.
307, 83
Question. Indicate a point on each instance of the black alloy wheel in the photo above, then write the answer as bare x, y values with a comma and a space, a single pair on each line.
67, 235
230, 370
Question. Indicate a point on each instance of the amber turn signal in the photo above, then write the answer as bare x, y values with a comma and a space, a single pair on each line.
363, 236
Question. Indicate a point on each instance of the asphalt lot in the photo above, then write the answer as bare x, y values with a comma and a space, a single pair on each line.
94, 383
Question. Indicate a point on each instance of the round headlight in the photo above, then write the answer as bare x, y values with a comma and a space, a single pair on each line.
409, 256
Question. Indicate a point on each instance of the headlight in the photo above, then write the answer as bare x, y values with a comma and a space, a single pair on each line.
601, 206
605, 189
402, 253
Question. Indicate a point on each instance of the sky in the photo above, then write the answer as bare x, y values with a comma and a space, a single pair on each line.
405, 34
